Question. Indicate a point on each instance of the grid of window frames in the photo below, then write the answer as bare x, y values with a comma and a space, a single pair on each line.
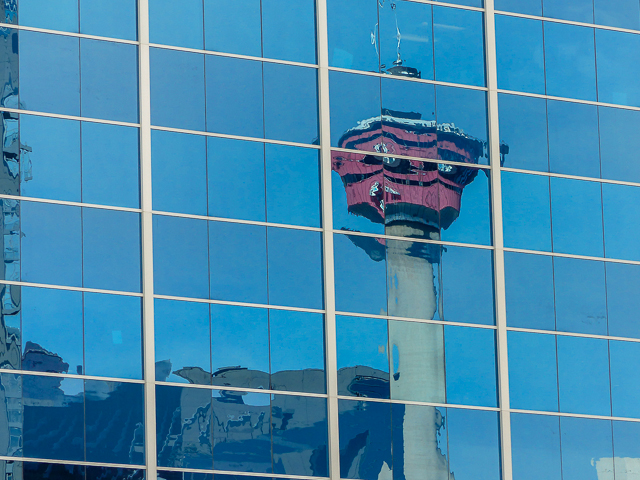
356, 239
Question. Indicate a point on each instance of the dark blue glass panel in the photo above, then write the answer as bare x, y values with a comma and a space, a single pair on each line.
626, 440
529, 7
365, 439
290, 103
293, 185
297, 351
51, 169
182, 107
625, 378
526, 211
415, 48
183, 419
618, 67
585, 441
355, 111
52, 338
288, 30
110, 168
583, 374
360, 274
577, 226
53, 414
474, 444
114, 422
179, 170
535, 447
529, 291
114, 473
570, 61
109, 80
236, 179
467, 285
623, 304
111, 246
238, 255
49, 73
621, 203
109, 18
59, 15
233, 27
300, 441
182, 341
240, 346
617, 13
295, 268
533, 382
619, 145
180, 257
181, 27
471, 366
234, 96
581, 303
363, 364
523, 127
576, 10
353, 34
573, 139
11, 405
458, 38
242, 432
520, 54
113, 336
39, 471
51, 244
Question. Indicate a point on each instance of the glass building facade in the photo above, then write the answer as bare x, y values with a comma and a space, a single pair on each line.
311, 239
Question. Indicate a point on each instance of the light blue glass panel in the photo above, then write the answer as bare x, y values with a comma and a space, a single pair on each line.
111, 246
179, 172
458, 40
583, 374
110, 167
576, 10
180, 257
618, 67
182, 107
109, 84
623, 305
533, 380
529, 7
288, 30
49, 73
353, 35
570, 61
520, 54
233, 27
577, 226
54, 15
535, 447
619, 144
621, 209
526, 211
625, 378
113, 336
471, 366
181, 339
51, 244
617, 13
179, 25
52, 168
109, 18
626, 443
585, 441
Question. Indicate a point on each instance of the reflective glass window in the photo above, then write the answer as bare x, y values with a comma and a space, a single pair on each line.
623, 304
619, 145
34, 471
533, 379
471, 366
570, 60
576, 10
179, 169
180, 257
617, 13
181, 340
109, 18
60, 15
577, 225
288, 30
625, 384
458, 40
232, 27
621, 208
529, 291
583, 375
114, 473
353, 35
183, 107
618, 59
529, 7
535, 447
626, 439
586, 445
181, 27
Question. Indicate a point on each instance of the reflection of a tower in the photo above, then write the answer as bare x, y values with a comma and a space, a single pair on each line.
411, 199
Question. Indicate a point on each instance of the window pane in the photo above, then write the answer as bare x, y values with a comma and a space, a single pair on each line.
535, 447
289, 29
626, 439
232, 27
181, 27
618, 62
623, 304
583, 441
58, 15
618, 13
620, 207
353, 34
109, 18
625, 384
619, 146
576, 10
529, 7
